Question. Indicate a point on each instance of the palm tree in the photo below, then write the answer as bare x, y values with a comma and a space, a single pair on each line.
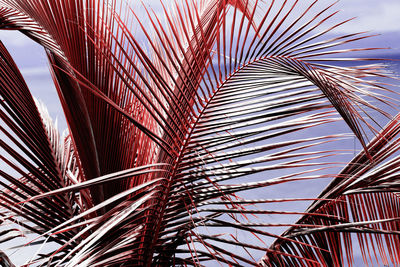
185, 125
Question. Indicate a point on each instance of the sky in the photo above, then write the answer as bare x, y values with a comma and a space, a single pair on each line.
378, 16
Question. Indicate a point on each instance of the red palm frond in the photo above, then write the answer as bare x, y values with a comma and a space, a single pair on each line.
176, 127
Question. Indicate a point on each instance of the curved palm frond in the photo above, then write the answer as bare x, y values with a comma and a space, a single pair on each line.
174, 142
358, 185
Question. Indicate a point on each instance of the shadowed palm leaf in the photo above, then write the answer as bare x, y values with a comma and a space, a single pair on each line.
181, 120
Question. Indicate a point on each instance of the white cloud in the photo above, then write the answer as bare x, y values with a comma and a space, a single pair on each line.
35, 71
377, 16
15, 38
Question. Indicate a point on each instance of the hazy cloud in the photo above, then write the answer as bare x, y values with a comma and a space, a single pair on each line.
377, 16
35, 71
16, 40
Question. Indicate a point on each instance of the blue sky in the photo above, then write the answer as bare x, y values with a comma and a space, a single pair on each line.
378, 16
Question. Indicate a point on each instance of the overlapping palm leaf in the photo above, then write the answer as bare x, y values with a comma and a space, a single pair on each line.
179, 127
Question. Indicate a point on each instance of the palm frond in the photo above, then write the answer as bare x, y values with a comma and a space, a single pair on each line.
31, 156
172, 143
365, 194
